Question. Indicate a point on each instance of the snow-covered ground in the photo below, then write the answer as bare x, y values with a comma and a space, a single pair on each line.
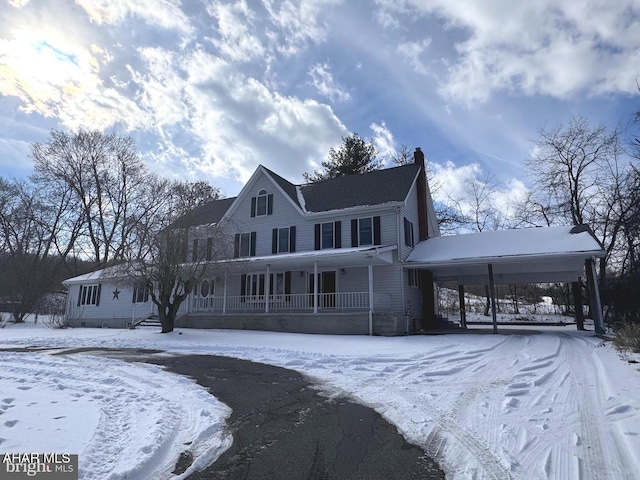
560, 404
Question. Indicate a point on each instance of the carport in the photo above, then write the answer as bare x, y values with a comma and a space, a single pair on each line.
531, 255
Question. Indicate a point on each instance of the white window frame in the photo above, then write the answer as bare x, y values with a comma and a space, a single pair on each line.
89, 294
262, 202
360, 242
333, 229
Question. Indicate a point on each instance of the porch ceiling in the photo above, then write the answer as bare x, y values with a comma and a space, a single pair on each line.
535, 255
335, 258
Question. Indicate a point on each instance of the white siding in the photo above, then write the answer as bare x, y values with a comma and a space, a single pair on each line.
284, 215
410, 212
110, 307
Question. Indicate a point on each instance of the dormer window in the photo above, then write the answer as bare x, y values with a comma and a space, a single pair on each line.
262, 204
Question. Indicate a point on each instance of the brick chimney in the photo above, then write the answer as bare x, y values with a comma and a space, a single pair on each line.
421, 187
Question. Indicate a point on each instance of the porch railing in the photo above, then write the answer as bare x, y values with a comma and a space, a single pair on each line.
301, 302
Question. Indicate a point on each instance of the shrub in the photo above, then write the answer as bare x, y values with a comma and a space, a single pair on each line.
627, 337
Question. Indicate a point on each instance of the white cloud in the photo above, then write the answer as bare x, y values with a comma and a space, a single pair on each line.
411, 52
161, 88
298, 22
323, 81
165, 14
383, 140
235, 24
238, 122
558, 48
454, 188
71, 90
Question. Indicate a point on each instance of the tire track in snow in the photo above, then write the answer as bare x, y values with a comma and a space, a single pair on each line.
449, 433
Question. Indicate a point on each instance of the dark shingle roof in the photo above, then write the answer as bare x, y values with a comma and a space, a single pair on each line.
373, 188
287, 186
210, 212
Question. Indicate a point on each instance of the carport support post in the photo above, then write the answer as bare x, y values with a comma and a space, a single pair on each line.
492, 294
576, 289
463, 312
596, 306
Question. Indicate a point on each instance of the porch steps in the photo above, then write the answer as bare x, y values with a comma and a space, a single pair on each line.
152, 321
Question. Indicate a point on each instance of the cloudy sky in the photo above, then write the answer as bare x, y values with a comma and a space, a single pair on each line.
210, 89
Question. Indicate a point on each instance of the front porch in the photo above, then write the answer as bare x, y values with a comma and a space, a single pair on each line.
338, 302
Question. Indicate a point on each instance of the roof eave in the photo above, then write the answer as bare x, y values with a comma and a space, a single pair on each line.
494, 260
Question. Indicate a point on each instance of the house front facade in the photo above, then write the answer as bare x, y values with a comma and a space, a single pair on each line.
357, 254
325, 257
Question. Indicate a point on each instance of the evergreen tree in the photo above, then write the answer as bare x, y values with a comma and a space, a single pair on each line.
354, 156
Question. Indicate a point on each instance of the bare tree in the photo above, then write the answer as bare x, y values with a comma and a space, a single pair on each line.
105, 176
30, 264
578, 179
176, 253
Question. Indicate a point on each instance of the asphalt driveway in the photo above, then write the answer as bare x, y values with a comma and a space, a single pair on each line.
283, 428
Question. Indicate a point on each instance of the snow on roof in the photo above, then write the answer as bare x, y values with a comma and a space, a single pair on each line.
507, 244
109, 273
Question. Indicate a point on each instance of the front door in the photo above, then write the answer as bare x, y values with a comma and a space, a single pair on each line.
326, 289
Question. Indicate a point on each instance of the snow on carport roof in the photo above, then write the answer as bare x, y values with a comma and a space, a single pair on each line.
531, 254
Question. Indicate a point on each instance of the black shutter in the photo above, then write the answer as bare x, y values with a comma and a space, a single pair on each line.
253, 206
209, 247
270, 204
317, 236
79, 295
243, 285
98, 295
274, 241
354, 232
292, 239
376, 231
287, 283
194, 253
271, 292
236, 246
252, 252
337, 235
135, 288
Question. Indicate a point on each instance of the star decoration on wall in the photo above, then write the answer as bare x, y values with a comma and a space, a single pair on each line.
116, 294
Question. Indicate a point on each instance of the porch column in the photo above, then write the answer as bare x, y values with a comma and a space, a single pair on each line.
315, 286
492, 294
370, 298
463, 312
267, 290
576, 289
224, 294
596, 306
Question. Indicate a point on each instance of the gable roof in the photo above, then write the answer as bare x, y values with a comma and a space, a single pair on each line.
372, 188
204, 214
289, 188
366, 189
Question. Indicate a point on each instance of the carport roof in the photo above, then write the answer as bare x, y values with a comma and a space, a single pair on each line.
549, 254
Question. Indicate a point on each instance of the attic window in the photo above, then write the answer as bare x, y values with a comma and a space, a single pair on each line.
262, 204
